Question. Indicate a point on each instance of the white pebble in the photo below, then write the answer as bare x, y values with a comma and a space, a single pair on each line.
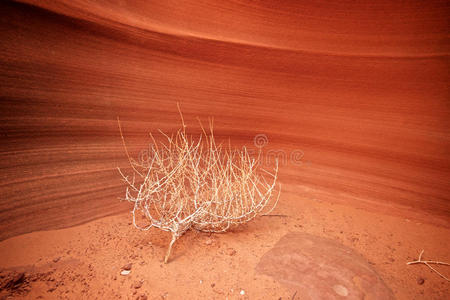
242, 292
340, 290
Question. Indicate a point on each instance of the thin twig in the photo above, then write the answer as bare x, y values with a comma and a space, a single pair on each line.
293, 296
428, 262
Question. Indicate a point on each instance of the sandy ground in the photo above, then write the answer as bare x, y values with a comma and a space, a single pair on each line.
85, 262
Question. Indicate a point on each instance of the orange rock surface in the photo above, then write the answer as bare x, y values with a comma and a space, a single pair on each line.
352, 96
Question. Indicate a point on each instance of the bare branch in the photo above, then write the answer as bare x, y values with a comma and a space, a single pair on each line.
428, 264
195, 183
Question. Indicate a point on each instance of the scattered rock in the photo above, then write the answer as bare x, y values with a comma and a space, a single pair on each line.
18, 279
218, 291
340, 290
355, 239
231, 252
142, 297
125, 272
127, 267
55, 260
208, 242
213, 285
12, 280
137, 284
420, 281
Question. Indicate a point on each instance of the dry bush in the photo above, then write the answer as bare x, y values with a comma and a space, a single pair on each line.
193, 183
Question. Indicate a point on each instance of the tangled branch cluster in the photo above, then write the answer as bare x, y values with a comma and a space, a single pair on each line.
194, 183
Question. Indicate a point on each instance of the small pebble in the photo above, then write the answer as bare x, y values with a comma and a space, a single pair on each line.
420, 281
231, 252
242, 292
18, 278
137, 285
340, 290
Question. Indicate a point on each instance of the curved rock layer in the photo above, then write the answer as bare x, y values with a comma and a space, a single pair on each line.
352, 97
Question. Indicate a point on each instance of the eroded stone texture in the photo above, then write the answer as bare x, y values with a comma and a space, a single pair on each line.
364, 95
320, 268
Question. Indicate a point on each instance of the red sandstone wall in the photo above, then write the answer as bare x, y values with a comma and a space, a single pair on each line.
360, 88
